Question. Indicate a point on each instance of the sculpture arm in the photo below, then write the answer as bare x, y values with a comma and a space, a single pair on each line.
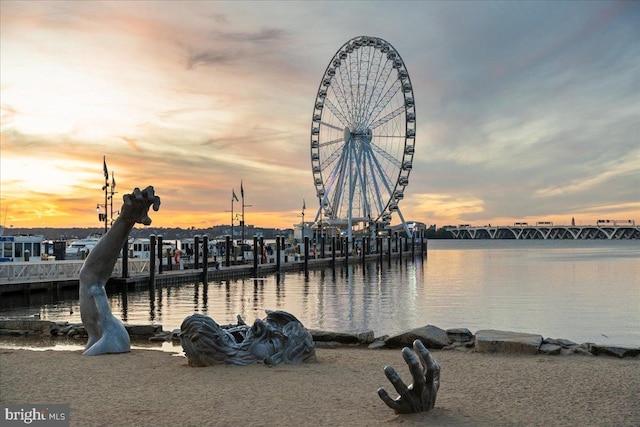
99, 264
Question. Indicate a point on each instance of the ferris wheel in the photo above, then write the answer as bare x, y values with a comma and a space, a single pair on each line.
363, 135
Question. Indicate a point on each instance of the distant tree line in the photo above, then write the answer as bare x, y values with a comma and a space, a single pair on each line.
179, 233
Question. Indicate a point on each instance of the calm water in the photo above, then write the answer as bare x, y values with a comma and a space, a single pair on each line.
585, 291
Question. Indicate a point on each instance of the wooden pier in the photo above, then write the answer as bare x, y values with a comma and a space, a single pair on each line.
39, 280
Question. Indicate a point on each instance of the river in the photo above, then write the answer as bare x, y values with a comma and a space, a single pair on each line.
581, 290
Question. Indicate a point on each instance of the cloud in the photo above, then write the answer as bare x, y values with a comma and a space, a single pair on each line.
524, 108
210, 58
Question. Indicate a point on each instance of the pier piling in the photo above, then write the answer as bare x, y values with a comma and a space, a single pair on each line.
159, 254
255, 256
205, 258
152, 261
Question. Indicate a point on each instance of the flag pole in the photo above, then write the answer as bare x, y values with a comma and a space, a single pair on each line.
242, 196
106, 191
233, 196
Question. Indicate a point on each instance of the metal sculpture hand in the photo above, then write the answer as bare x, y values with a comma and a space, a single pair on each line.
136, 205
421, 395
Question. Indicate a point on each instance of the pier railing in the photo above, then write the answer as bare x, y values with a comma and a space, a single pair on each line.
55, 271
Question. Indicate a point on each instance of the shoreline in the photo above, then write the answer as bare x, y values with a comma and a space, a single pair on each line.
46, 334
148, 387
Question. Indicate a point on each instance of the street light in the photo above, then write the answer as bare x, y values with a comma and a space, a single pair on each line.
102, 217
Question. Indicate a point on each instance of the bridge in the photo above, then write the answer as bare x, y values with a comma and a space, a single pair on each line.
611, 230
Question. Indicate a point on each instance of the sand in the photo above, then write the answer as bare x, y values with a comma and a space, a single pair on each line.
155, 388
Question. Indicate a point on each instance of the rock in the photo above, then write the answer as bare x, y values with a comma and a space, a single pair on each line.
77, 331
561, 342
459, 335
377, 344
143, 330
32, 326
582, 352
364, 337
14, 332
164, 336
551, 349
620, 352
431, 336
492, 341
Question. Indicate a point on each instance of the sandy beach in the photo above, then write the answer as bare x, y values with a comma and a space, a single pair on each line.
156, 388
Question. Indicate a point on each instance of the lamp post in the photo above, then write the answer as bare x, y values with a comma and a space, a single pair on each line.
102, 217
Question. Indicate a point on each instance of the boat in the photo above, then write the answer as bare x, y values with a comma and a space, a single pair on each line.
79, 249
20, 248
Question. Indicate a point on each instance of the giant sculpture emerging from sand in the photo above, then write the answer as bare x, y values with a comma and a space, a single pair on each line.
278, 339
106, 333
421, 395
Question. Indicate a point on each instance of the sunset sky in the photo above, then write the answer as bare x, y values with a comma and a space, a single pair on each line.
525, 110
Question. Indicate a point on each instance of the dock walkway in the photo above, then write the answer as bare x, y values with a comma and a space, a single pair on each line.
26, 277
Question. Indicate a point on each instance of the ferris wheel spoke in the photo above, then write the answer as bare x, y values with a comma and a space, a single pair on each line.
346, 86
386, 180
396, 162
392, 115
382, 79
369, 73
376, 187
336, 112
332, 126
382, 102
329, 160
339, 90
328, 143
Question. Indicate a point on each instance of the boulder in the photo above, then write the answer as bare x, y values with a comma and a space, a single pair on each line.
363, 337
560, 341
30, 326
459, 335
431, 336
143, 330
551, 349
598, 350
493, 341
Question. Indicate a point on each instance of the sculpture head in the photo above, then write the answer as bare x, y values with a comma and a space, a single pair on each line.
278, 339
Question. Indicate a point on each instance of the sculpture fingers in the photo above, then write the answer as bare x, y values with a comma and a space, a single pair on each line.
137, 193
388, 400
416, 369
396, 381
432, 367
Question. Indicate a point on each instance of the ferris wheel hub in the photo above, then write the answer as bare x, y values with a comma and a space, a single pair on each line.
361, 135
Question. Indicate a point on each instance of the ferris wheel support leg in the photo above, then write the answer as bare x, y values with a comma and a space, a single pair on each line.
404, 224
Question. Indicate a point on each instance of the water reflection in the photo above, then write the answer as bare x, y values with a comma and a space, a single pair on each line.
555, 290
